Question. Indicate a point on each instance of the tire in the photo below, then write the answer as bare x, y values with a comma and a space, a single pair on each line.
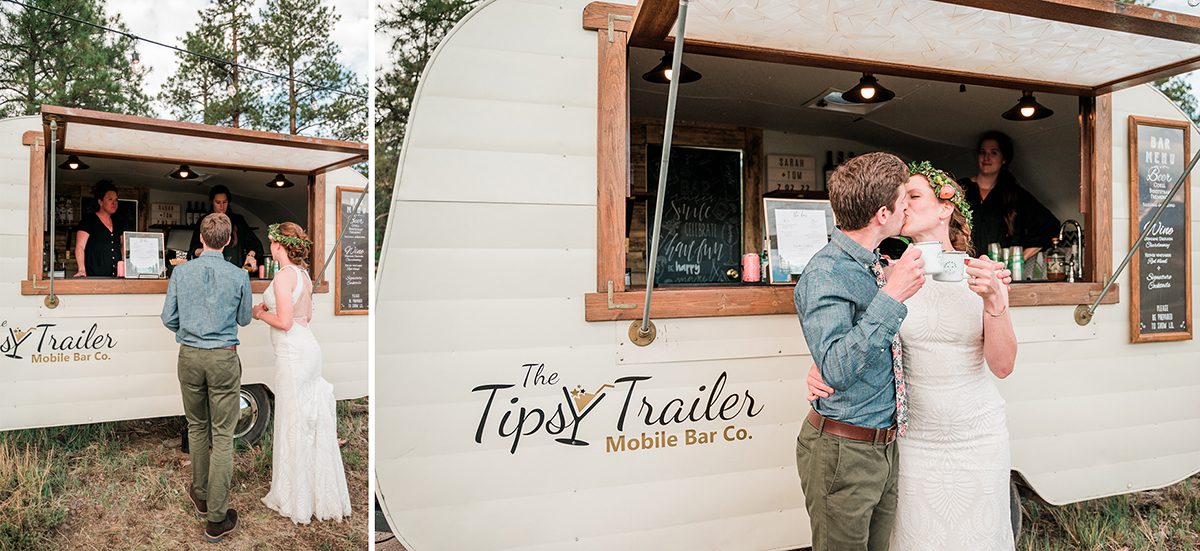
255, 414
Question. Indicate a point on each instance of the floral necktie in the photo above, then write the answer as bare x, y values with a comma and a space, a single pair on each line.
897, 363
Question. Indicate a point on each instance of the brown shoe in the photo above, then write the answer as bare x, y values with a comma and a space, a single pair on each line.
216, 531
200, 505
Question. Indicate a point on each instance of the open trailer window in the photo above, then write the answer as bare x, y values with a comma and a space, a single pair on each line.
754, 106
167, 176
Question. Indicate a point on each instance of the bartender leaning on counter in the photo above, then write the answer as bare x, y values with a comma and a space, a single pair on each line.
98, 245
1005, 212
244, 247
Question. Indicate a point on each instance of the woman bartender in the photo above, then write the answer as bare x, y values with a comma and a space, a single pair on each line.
98, 240
1004, 212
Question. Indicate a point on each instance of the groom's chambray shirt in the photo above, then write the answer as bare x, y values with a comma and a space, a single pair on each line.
207, 299
849, 324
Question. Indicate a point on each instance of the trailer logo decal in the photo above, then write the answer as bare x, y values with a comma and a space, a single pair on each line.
563, 416
46, 344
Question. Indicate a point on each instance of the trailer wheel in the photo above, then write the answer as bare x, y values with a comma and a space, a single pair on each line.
255, 414
1014, 504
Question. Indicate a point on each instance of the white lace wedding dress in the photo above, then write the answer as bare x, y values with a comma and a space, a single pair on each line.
307, 477
954, 457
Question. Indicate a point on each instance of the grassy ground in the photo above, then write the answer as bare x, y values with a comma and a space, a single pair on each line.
1163, 520
1160, 520
123, 486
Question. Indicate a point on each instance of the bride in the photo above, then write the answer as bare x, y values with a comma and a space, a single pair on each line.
954, 458
307, 478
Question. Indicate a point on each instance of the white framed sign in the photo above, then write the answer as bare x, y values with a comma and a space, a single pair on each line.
792, 173
164, 214
145, 255
796, 229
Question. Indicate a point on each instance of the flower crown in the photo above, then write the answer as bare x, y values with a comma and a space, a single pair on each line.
943, 186
274, 235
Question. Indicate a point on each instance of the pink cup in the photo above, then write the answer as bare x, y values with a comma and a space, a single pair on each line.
750, 268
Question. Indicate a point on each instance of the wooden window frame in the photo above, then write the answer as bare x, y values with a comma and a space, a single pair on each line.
614, 187
37, 284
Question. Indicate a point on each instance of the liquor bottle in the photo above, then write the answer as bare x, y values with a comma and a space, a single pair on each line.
841, 157
765, 261
1056, 261
189, 217
251, 269
828, 168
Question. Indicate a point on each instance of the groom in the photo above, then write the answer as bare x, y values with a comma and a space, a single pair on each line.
846, 452
207, 299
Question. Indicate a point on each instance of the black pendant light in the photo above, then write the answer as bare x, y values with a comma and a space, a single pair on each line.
279, 182
1027, 109
184, 172
868, 91
73, 163
660, 74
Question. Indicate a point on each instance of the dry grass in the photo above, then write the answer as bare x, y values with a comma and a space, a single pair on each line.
27, 510
123, 486
1167, 519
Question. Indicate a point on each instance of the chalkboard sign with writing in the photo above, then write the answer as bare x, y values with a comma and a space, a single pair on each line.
352, 259
702, 215
1160, 274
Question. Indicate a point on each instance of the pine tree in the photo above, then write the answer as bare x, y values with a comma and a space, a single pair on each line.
416, 28
211, 92
296, 43
198, 89
46, 59
1180, 91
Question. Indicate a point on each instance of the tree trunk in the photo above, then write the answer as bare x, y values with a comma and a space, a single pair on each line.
292, 99
237, 104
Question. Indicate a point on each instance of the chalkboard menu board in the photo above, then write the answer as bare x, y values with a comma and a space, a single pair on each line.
353, 258
1160, 274
702, 215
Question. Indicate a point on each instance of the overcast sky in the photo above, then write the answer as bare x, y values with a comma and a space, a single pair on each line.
168, 20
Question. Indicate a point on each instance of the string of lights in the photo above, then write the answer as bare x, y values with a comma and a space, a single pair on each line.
220, 62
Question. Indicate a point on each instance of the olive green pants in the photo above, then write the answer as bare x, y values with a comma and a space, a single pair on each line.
849, 490
211, 383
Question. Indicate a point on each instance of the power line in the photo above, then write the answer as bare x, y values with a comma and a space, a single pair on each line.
213, 59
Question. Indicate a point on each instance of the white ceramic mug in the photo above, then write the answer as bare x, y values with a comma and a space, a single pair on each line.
954, 266
931, 252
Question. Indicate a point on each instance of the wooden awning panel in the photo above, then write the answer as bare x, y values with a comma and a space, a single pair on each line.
1084, 46
97, 133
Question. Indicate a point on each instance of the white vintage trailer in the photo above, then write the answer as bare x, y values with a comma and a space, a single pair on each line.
501, 292
102, 353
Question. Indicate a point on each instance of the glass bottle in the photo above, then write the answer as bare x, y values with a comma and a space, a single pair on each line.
828, 168
1056, 261
764, 260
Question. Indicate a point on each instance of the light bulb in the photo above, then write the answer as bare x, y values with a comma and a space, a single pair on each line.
868, 92
1027, 112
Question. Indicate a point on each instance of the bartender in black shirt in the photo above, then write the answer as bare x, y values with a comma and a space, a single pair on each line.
98, 239
242, 240
1004, 212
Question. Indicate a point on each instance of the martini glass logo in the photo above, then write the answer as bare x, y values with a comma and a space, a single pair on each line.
9, 345
581, 402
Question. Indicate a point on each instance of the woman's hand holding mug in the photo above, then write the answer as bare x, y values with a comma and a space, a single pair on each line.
988, 279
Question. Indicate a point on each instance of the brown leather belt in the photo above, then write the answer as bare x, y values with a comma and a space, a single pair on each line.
853, 432
230, 347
